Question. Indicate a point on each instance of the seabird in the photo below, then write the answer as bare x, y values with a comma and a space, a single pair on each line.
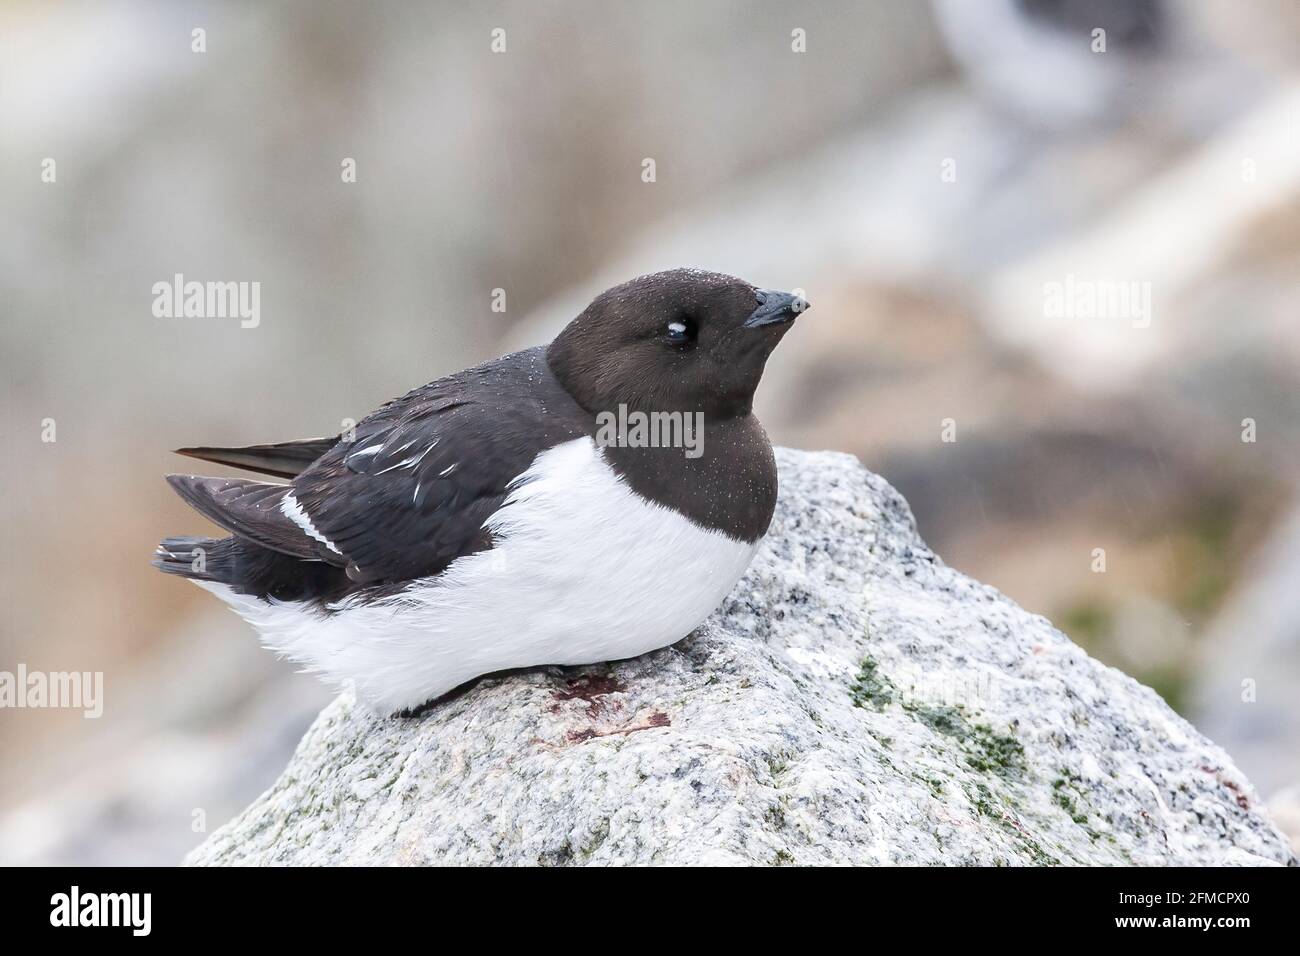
487, 521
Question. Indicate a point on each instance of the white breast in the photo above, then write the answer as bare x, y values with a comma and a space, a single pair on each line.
583, 570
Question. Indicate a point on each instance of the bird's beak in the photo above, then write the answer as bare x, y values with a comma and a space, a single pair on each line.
775, 307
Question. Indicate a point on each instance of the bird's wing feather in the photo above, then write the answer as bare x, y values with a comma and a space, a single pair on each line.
282, 459
253, 510
411, 493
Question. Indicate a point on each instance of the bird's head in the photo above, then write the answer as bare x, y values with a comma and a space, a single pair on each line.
682, 340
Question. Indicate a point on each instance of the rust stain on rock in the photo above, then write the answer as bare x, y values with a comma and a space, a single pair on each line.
657, 719
591, 688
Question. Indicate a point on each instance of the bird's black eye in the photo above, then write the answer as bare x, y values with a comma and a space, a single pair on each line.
680, 330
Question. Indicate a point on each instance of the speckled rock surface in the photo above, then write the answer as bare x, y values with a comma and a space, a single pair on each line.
853, 701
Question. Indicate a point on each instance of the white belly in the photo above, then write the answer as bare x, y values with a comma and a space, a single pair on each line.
583, 570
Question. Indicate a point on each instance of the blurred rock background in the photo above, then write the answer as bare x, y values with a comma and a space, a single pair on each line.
923, 172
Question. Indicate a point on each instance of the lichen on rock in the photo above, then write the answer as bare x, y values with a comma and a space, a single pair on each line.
853, 701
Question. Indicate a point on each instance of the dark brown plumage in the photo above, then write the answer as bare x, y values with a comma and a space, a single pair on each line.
411, 492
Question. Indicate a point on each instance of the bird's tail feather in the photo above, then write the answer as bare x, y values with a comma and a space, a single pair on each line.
192, 556
249, 568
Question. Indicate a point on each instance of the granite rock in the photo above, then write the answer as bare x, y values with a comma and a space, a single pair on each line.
854, 701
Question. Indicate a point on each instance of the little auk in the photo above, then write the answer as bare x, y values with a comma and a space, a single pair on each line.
491, 520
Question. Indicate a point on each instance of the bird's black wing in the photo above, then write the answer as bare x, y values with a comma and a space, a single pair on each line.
283, 459
410, 493
252, 510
